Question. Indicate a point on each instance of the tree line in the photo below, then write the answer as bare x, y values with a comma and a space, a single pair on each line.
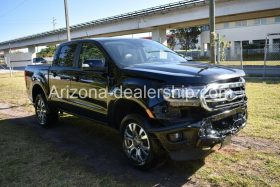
186, 37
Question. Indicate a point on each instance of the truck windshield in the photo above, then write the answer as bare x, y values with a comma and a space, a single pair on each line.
129, 52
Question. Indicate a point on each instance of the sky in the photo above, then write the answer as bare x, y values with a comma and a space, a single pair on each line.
20, 18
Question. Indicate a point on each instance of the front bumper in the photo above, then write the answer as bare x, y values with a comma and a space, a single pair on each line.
196, 140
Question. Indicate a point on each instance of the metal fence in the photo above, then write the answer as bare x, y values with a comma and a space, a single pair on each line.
255, 59
271, 59
272, 54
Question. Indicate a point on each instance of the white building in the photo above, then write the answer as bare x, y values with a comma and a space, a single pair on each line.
244, 32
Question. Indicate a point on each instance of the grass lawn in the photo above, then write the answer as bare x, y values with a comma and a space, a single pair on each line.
264, 109
13, 91
249, 63
27, 159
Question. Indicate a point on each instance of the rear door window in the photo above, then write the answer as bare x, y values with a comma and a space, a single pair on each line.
90, 53
66, 55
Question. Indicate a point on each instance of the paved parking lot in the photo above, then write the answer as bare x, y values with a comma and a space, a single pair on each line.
8, 71
5, 69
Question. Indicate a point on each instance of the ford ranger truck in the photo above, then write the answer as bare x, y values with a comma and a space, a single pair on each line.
170, 123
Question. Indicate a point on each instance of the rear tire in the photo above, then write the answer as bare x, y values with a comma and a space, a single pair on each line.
140, 148
47, 115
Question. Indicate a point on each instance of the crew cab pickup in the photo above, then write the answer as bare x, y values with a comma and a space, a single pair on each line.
159, 102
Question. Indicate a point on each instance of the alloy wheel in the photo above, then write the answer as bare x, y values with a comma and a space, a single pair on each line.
136, 143
41, 111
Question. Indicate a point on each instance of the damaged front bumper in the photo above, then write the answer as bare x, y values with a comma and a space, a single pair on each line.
188, 141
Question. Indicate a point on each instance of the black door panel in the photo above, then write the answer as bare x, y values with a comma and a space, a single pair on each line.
90, 82
61, 73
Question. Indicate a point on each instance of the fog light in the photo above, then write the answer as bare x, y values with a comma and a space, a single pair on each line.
175, 137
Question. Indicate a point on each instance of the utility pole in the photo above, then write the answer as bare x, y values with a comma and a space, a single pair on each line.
241, 54
212, 32
53, 22
266, 49
67, 20
218, 49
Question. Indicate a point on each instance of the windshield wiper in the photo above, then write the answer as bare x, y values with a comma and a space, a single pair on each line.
202, 69
161, 51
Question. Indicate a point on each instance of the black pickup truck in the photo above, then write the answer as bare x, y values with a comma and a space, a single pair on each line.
158, 101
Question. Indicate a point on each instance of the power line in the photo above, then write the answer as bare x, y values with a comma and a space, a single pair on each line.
13, 9
23, 22
24, 19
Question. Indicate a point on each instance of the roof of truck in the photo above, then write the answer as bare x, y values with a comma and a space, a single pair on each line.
102, 39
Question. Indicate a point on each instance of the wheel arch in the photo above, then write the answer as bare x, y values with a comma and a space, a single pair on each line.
37, 89
122, 107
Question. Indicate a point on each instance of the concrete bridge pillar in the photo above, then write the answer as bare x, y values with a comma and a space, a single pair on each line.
159, 35
6, 51
6, 56
32, 51
16, 59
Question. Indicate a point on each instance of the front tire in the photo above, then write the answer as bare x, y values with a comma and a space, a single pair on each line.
47, 115
141, 149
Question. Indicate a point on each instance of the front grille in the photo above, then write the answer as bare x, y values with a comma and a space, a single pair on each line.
219, 96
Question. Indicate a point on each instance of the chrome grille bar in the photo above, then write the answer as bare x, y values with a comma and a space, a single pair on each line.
228, 95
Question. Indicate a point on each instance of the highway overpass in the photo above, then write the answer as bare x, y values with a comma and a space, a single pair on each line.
156, 20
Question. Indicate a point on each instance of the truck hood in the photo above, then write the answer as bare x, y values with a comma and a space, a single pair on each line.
189, 73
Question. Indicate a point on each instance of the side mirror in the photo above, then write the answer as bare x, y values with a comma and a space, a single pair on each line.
96, 65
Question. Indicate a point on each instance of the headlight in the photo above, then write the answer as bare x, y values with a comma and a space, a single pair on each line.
188, 96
